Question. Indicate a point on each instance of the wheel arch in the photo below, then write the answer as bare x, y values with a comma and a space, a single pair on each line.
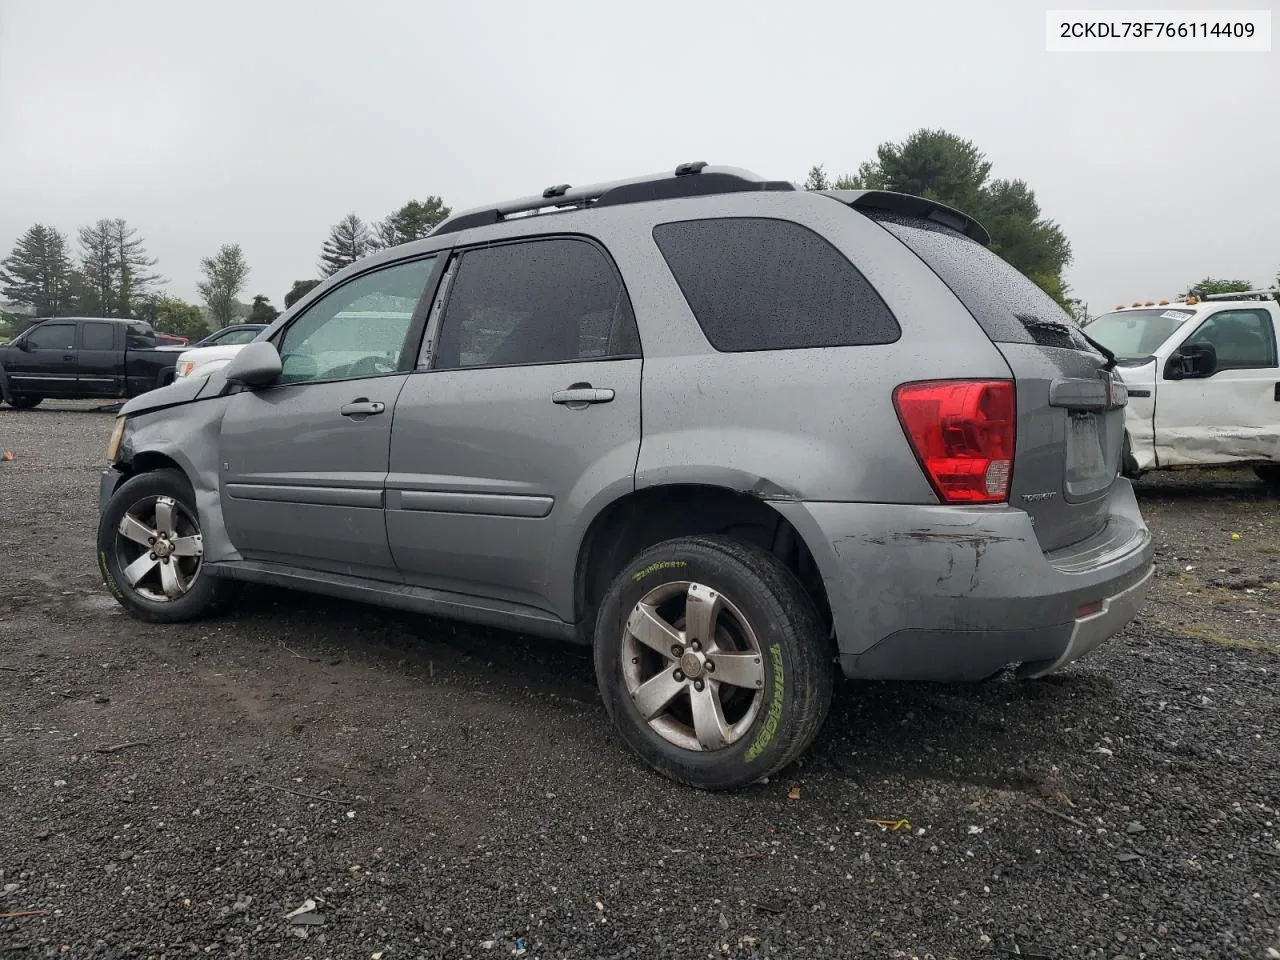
641, 518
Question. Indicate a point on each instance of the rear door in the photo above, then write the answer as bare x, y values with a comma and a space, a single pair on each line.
100, 366
527, 419
1070, 406
1233, 414
44, 363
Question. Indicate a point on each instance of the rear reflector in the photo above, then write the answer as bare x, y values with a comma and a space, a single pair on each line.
1088, 609
962, 432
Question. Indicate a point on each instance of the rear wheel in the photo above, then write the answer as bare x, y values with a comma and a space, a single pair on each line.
712, 661
1269, 473
151, 550
24, 401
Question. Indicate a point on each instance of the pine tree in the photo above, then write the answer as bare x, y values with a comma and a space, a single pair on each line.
413, 221
262, 310
349, 241
38, 272
114, 268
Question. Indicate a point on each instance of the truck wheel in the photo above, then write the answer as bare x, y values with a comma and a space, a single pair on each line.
151, 553
1269, 473
24, 401
712, 661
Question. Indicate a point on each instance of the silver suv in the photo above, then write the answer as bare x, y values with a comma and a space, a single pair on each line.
730, 433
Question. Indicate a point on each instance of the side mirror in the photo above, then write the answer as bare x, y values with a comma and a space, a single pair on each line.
25, 346
1192, 361
255, 364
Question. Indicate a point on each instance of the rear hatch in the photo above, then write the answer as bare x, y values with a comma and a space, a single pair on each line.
1070, 410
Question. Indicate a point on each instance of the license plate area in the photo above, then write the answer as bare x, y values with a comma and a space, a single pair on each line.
1088, 473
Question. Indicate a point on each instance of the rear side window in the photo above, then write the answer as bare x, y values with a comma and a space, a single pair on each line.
97, 336
537, 301
762, 284
1008, 306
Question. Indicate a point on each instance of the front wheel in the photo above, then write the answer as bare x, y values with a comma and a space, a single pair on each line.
712, 661
1269, 473
151, 550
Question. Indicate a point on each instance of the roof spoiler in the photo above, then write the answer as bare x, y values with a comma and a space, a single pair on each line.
906, 205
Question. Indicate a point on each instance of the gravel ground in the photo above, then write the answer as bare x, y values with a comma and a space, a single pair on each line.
443, 791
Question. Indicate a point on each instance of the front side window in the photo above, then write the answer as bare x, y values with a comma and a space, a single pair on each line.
53, 336
539, 301
358, 330
97, 336
763, 284
1243, 339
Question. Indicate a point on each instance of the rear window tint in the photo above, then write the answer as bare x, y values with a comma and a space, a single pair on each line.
763, 284
1008, 306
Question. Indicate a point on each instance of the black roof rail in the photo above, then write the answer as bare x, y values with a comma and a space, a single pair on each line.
689, 180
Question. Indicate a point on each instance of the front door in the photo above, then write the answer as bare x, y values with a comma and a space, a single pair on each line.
527, 420
45, 366
1234, 414
304, 461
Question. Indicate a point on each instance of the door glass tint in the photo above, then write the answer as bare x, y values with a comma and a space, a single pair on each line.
358, 330
541, 301
53, 336
97, 336
1243, 339
760, 284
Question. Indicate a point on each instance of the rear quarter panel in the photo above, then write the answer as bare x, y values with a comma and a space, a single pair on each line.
812, 424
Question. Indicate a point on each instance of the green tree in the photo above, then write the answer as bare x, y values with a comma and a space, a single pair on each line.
817, 179
171, 315
38, 272
1210, 285
349, 241
114, 268
300, 289
224, 277
945, 167
262, 311
413, 221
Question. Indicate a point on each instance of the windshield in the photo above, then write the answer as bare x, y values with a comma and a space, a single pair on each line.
1134, 334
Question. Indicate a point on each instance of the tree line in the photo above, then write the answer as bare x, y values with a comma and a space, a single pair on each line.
110, 274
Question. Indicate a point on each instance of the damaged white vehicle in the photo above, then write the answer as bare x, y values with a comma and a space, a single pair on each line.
1203, 378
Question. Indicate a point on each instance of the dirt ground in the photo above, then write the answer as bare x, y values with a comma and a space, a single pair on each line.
443, 791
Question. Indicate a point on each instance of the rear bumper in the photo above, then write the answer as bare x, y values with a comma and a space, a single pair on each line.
957, 593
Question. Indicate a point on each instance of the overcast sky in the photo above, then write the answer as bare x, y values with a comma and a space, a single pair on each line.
263, 122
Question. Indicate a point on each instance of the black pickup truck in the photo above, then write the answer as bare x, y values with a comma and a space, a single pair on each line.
84, 357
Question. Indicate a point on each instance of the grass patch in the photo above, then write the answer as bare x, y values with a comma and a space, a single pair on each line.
1200, 631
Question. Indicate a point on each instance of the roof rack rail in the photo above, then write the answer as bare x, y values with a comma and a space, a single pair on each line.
689, 180
1242, 294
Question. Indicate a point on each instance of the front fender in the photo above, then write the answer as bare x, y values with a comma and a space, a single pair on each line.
189, 436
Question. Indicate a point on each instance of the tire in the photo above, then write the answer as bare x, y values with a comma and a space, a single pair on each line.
24, 401
757, 606
1269, 473
184, 592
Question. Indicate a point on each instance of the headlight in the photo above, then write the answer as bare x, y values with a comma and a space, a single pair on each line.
184, 369
113, 446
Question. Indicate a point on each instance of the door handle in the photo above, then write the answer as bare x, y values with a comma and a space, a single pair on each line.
361, 408
68, 356
582, 394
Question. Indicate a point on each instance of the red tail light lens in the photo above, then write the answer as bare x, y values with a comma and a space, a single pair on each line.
962, 432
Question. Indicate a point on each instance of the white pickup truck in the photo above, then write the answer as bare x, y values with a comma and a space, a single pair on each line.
1203, 377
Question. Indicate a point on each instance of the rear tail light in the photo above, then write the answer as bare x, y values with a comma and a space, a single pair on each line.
962, 432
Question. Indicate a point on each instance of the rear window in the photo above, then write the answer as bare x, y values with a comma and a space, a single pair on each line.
1008, 306
763, 284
